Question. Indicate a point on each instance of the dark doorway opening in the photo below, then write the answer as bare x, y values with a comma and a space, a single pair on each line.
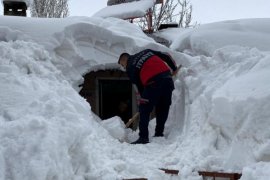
109, 93
115, 98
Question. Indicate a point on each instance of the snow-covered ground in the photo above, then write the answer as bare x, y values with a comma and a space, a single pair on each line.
219, 118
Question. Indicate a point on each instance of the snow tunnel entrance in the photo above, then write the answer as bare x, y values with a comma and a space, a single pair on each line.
109, 93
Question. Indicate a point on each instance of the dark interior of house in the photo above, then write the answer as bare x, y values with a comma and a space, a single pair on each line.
115, 97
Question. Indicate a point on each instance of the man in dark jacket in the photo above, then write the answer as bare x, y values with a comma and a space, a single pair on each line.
151, 71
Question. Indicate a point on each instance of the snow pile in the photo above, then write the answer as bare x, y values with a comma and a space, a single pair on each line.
228, 98
126, 10
205, 39
47, 129
225, 99
239, 108
219, 117
41, 116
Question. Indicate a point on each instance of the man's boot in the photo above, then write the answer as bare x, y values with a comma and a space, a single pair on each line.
141, 141
159, 135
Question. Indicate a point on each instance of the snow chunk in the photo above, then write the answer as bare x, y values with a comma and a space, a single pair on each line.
115, 127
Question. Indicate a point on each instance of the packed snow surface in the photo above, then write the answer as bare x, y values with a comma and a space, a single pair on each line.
219, 118
126, 10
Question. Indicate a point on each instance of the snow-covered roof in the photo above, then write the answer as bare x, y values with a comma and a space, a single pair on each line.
110, 37
27, 2
126, 10
207, 38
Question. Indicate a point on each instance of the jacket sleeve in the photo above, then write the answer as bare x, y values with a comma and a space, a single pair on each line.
138, 84
166, 58
140, 87
134, 77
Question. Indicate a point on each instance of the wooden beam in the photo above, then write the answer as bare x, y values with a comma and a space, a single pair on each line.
136, 179
170, 171
159, 1
231, 176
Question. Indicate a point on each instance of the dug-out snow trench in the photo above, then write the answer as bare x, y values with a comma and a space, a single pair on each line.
79, 47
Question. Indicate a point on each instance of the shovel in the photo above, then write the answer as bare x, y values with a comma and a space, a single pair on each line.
134, 118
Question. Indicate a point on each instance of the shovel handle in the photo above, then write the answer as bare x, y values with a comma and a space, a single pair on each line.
131, 120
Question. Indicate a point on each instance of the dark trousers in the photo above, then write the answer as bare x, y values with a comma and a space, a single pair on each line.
157, 93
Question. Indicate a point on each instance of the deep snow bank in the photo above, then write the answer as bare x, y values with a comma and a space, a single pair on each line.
42, 118
206, 38
47, 129
226, 97
228, 120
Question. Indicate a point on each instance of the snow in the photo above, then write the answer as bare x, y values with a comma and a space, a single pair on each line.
207, 38
27, 2
126, 10
69, 39
115, 127
218, 120
35, 142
